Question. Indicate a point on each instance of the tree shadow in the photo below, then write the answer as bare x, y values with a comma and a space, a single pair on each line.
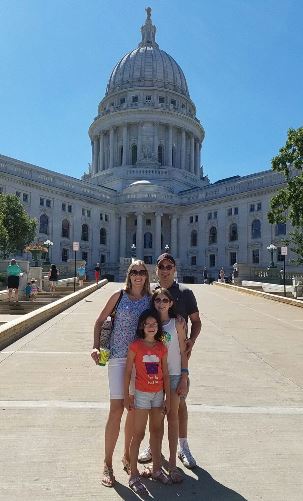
203, 487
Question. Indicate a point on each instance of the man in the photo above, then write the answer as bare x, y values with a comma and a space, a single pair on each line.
97, 272
186, 306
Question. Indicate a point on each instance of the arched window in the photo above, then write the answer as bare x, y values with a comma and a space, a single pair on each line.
212, 238
84, 233
160, 154
103, 236
121, 155
233, 232
256, 228
134, 154
43, 227
280, 229
65, 228
194, 238
148, 240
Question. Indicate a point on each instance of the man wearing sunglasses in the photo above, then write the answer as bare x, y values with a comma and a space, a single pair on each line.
186, 305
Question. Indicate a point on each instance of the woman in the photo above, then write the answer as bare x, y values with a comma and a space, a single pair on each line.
53, 275
135, 299
81, 274
13, 278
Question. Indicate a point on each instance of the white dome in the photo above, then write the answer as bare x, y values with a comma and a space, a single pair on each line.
147, 66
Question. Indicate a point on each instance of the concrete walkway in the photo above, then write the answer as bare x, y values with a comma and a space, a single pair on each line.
246, 407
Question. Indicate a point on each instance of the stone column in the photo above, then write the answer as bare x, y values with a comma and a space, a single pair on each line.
101, 150
157, 247
124, 139
139, 144
95, 155
113, 239
192, 154
139, 235
156, 140
183, 149
170, 146
122, 235
197, 160
111, 148
173, 236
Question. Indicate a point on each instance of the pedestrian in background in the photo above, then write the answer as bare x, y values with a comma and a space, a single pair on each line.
53, 276
13, 279
81, 274
97, 272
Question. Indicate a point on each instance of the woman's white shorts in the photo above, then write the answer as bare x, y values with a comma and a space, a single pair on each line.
116, 374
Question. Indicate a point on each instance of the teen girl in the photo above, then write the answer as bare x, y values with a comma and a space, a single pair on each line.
174, 338
149, 356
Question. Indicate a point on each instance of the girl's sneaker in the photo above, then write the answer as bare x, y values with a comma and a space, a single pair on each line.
186, 457
145, 456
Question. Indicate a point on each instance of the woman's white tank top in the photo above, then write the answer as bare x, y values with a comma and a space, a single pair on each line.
171, 341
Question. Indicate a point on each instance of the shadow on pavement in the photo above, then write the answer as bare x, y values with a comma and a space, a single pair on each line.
204, 488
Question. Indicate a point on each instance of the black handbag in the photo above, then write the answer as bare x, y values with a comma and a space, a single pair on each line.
108, 326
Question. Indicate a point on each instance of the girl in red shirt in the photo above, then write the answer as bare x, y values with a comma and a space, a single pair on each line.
149, 356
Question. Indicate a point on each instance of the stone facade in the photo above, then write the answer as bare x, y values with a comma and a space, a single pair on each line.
146, 186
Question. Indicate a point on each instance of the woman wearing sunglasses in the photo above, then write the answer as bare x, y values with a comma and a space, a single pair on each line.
135, 299
174, 337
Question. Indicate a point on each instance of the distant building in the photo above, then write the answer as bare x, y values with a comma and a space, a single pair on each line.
145, 187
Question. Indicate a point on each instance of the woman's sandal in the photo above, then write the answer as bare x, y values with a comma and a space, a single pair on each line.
126, 465
136, 485
160, 476
175, 475
108, 479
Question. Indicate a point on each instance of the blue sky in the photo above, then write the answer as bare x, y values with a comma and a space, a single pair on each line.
242, 60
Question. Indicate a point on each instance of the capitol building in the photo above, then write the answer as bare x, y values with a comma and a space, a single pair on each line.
145, 191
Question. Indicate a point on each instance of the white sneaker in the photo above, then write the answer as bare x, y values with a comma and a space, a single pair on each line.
145, 456
187, 459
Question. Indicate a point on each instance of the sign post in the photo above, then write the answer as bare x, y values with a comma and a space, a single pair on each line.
284, 254
76, 247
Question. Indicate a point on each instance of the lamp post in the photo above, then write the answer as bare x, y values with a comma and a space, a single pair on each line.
166, 248
271, 248
48, 244
133, 251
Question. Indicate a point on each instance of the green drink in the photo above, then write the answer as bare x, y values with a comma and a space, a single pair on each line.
104, 356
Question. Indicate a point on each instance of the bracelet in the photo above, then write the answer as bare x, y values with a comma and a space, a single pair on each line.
185, 371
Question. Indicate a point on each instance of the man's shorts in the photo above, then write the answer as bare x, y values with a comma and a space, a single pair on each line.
148, 400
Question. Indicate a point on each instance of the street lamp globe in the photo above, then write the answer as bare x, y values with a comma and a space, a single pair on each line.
166, 248
271, 248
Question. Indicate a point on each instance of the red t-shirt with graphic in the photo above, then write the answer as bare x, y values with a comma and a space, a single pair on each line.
148, 363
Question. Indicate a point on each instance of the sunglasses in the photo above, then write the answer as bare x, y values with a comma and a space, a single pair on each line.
135, 273
164, 300
167, 267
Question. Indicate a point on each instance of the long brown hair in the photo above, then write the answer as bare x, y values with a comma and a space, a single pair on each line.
161, 290
128, 284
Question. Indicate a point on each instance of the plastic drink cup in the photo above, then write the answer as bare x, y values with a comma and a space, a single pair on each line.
104, 356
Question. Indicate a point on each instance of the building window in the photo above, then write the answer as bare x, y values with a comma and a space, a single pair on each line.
191, 219
212, 238
212, 260
135, 99
64, 255
122, 100
102, 258
84, 233
43, 227
25, 197
65, 228
148, 240
280, 229
229, 211
148, 99
232, 258
18, 194
209, 216
215, 214
42, 202
101, 216
70, 208
160, 154
106, 217
233, 232
48, 203
120, 155
259, 206
63, 207
236, 211
134, 154
161, 99
148, 222
256, 228
173, 102
102, 236
83, 212
84, 256
256, 256
88, 213
194, 238
252, 208
196, 219
193, 260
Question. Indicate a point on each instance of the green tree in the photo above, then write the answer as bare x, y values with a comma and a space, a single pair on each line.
17, 229
287, 204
